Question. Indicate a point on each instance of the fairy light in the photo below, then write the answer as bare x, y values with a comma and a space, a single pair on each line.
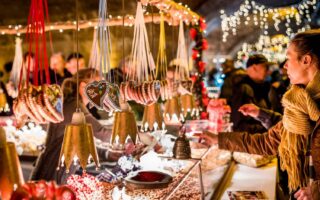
261, 15
173, 10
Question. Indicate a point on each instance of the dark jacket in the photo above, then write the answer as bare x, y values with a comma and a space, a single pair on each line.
277, 90
57, 78
247, 91
227, 87
267, 144
47, 162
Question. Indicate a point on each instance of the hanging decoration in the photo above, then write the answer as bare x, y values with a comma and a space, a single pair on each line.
251, 12
10, 170
78, 144
188, 106
141, 85
124, 126
152, 117
199, 89
104, 95
40, 101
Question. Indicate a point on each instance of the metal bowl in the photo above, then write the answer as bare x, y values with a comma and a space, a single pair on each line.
91, 168
148, 180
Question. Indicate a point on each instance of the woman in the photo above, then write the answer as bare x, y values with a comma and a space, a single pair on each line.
47, 162
298, 131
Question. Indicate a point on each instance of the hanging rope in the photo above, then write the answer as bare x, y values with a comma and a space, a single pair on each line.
17, 64
95, 53
77, 46
142, 66
104, 40
182, 70
161, 69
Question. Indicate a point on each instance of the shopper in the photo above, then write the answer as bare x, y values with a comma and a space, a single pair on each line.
58, 71
299, 126
230, 72
71, 64
250, 88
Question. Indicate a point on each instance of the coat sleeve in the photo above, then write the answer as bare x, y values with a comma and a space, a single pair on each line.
244, 94
268, 118
315, 189
262, 144
99, 130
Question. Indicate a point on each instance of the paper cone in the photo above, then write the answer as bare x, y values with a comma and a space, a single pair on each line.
10, 170
124, 125
188, 105
172, 111
78, 143
152, 118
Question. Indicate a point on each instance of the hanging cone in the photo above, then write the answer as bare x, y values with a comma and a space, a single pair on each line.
10, 170
17, 65
152, 118
172, 111
188, 105
78, 143
124, 125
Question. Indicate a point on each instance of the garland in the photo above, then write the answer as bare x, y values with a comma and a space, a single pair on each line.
201, 44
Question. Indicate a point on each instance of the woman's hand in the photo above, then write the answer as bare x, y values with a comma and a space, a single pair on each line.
209, 138
250, 110
304, 194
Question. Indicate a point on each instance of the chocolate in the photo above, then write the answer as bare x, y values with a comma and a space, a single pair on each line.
96, 92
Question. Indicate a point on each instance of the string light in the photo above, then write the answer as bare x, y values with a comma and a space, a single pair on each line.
272, 47
174, 12
261, 15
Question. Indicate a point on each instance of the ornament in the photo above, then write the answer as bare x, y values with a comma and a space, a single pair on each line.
193, 33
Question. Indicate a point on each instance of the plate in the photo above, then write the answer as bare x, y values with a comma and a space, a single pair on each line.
148, 180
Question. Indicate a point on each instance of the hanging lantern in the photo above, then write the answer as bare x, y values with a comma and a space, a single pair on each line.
188, 106
78, 143
172, 111
152, 118
10, 171
124, 127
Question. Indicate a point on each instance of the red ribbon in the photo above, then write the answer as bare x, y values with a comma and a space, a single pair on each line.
36, 38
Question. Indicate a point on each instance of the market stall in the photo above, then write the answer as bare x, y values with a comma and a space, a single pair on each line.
159, 134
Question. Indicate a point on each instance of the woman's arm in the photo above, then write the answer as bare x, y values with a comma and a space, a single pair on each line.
262, 144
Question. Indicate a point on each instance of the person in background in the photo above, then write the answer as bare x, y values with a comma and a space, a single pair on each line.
296, 138
58, 72
250, 88
278, 88
229, 71
71, 64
